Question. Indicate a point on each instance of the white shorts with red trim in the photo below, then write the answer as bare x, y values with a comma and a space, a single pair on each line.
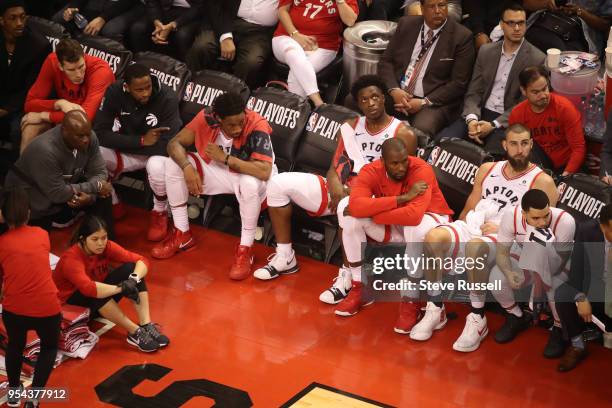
356, 231
117, 162
461, 234
306, 190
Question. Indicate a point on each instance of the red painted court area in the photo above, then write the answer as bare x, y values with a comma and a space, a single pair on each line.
273, 339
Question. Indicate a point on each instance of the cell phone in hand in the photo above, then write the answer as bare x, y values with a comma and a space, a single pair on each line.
80, 21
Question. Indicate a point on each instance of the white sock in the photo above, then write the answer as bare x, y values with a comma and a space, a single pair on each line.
355, 273
247, 237
180, 218
515, 310
159, 206
284, 250
477, 299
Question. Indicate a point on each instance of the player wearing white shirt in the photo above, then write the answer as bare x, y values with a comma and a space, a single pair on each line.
534, 244
361, 143
497, 186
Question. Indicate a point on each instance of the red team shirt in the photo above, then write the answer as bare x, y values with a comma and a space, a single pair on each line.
89, 94
77, 271
27, 285
558, 130
253, 143
373, 194
317, 18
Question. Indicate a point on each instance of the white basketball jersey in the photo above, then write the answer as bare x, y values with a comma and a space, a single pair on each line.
561, 225
503, 191
369, 143
225, 144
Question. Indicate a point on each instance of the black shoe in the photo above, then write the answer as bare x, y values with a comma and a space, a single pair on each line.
556, 345
13, 399
143, 340
512, 327
159, 337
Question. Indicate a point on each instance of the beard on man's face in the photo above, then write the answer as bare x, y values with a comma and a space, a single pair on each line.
520, 163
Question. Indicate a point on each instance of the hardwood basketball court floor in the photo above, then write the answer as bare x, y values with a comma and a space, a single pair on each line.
275, 344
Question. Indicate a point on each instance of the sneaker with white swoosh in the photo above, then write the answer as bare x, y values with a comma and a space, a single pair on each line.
277, 265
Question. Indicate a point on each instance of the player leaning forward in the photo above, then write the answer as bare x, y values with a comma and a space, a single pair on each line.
234, 156
359, 142
497, 186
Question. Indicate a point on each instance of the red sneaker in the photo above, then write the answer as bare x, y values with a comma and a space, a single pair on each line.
353, 302
241, 269
175, 241
409, 313
158, 226
119, 211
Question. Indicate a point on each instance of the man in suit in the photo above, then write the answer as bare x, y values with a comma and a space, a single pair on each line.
587, 291
427, 67
168, 22
494, 89
241, 34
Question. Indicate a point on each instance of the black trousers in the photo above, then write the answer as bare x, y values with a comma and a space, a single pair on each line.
115, 28
102, 208
253, 47
179, 41
115, 277
17, 327
571, 322
492, 143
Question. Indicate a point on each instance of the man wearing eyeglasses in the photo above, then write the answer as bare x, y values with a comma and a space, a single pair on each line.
494, 89
427, 67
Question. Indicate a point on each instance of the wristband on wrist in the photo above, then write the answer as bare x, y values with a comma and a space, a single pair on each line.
294, 32
227, 160
141, 141
185, 164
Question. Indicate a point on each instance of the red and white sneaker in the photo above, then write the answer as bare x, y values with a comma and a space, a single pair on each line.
175, 241
158, 226
409, 314
474, 332
353, 302
434, 319
241, 269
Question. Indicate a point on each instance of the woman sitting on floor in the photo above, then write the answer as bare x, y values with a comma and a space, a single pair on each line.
84, 277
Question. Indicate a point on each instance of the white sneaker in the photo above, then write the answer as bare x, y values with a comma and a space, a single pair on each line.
277, 265
474, 332
434, 319
340, 288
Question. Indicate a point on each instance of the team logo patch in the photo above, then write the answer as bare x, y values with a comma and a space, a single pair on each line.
312, 121
251, 103
151, 120
188, 91
561, 188
434, 155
